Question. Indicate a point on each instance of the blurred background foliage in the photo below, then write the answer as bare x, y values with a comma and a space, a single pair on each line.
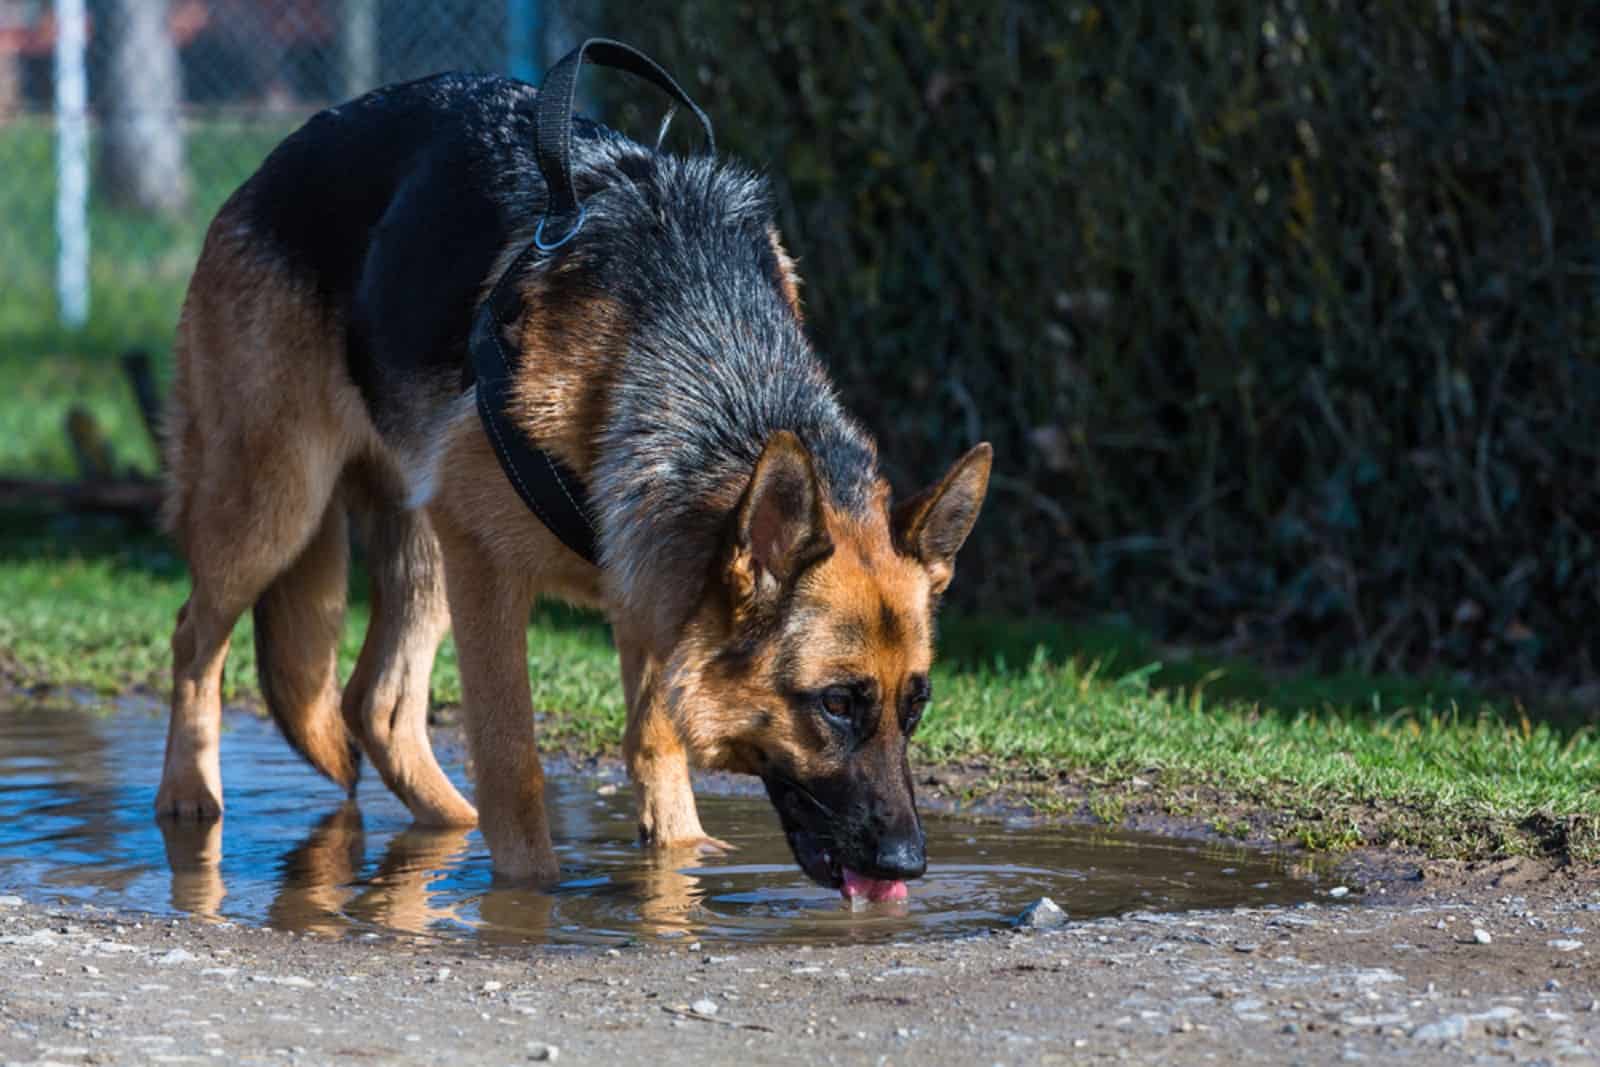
1281, 315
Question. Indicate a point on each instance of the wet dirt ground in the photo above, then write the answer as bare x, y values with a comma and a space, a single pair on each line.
121, 945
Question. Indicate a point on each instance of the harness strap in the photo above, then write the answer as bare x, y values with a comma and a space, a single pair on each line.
553, 126
549, 489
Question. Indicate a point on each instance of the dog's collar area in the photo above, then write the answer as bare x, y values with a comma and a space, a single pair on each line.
550, 490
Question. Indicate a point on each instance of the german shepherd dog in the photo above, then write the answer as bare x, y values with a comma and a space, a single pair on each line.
772, 609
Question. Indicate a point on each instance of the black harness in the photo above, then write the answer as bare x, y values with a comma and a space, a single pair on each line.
550, 489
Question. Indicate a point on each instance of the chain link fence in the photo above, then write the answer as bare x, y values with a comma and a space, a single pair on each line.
124, 124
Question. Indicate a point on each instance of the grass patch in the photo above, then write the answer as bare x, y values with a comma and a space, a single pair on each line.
88, 604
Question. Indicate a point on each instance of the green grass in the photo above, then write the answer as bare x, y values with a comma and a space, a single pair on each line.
88, 604
139, 266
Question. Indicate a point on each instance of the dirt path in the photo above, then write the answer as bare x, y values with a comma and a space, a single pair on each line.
1403, 976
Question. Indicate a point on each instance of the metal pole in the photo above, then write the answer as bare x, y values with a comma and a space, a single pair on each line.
523, 33
360, 46
72, 165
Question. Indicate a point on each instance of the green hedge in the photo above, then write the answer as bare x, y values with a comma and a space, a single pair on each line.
1282, 316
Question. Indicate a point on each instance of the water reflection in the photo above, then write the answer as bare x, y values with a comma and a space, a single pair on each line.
76, 788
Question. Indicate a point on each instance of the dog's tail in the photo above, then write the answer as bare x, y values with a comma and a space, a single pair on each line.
298, 621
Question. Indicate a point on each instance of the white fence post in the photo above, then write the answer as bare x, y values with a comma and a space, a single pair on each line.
72, 164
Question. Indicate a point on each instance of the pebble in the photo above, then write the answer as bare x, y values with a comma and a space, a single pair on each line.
1450, 1028
1565, 944
175, 956
543, 1052
704, 1006
1481, 936
1042, 914
1339, 891
1245, 946
492, 987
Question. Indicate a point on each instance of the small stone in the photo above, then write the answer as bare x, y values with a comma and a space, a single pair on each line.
90, 969
704, 1006
901, 1032
1245, 946
1565, 944
1450, 1028
607, 790
1481, 936
1289, 1028
542, 1052
1042, 914
492, 987
1182, 1026
175, 956
1552, 986
1339, 891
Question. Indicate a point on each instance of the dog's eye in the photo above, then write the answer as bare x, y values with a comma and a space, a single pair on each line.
916, 701
838, 703
914, 709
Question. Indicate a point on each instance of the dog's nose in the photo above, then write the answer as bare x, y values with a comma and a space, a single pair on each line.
903, 856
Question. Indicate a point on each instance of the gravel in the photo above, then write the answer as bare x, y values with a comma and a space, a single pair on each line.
1390, 981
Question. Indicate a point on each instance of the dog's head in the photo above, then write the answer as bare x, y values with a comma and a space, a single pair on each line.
813, 658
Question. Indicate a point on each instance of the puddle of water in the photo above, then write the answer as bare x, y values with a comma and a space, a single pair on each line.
77, 787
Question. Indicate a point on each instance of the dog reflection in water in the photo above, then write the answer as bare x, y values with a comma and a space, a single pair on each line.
323, 892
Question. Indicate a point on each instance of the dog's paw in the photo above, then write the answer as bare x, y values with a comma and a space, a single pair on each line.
188, 800
699, 846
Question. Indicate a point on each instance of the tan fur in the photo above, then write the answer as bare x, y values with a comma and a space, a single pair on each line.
264, 432
725, 718
788, 276
570, 343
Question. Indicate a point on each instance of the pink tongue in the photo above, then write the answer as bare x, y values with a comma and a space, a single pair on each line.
874, 889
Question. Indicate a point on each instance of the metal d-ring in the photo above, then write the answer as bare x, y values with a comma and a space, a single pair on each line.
538, 234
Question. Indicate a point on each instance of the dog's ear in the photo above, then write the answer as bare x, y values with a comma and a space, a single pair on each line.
780, 529
932, 526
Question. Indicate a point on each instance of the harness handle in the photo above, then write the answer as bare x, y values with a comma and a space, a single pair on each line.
552, 124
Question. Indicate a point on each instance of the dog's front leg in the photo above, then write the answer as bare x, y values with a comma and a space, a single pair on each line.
489, 608
656, 759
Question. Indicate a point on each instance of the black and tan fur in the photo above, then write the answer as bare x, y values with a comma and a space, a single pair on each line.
773, 610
